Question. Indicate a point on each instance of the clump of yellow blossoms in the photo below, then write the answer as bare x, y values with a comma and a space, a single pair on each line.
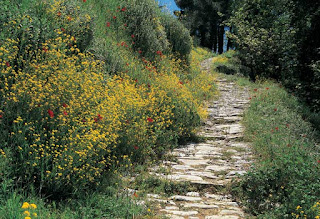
29, 210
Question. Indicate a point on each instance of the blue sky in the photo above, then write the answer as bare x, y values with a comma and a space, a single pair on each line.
171, 5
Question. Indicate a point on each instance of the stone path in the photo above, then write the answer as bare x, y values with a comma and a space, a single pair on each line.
210, 165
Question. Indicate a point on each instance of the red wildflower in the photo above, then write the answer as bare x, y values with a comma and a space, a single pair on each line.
127, 64
65, 113
318, 161
140, 51
136, 80
288, 145
122, 43
62, 29
0, 116
83, 120
133, 43
125, 25
149, 85
135, 195
7, 64
127, 121
267, 88
98, 118
114, 17
149, 119
108, 24
69, 18
45, 49
159, 53
132, 36
180, 82
275, 109
287, 125
59, 13
84, 0
277, 128
136, 147
50, 112
124, 9
255, 89
64, 105
250, 98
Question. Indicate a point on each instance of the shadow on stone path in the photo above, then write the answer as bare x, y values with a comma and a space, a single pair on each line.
211, 164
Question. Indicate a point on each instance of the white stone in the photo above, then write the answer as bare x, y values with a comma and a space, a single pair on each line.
180, 213
185, 198
202, 206
218, 168
193, 194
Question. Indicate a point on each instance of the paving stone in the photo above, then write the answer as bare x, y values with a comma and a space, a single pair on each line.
203, 206
193, 194
185, 198
180, 213
231, 212
222, 217
218, 168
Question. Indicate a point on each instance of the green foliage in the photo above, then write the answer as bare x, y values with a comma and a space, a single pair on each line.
178, 36
286, 173
277, 39
142, 17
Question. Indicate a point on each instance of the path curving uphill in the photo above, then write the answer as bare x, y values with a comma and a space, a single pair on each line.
211, 165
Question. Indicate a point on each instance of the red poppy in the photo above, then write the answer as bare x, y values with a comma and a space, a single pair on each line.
7, 64
122, 43
125, 25
98, 118
267, 88
127, 64
64, 105
50, 112
83, 120
45, 49
124, 9
136, 80
159, 53
62, 29
127, 121
65, 113
114, 17
275, 109
255, 89
84, 0
149, 85
108, 24
250, 98
0, 116
149, 119
133, 43
277, 128
140, 51
59, 13
287, 125
132, 36
180, 82
318, 161
136, 147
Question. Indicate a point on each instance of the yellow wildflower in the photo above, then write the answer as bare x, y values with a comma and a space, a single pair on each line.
27, 213
25, 205
34, 206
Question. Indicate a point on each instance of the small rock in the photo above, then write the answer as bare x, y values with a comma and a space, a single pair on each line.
180, 213
185, 198
193, 194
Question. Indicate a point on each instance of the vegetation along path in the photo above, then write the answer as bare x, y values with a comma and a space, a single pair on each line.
210, 165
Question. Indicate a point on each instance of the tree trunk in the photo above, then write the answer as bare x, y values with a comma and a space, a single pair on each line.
229, 43
220, 39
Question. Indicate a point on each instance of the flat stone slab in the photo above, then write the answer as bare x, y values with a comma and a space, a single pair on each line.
218, 168
182, 167
235, 173
181, 177
193, 194
222, 217
231, 212
190, 162
180, 213
174, 216
202, 206
185, 198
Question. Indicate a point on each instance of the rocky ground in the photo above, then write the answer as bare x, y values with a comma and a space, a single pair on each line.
211, 165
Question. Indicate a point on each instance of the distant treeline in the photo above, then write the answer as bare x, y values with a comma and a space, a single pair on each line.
277, 39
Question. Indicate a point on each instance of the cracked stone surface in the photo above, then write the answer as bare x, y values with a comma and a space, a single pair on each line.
213, 163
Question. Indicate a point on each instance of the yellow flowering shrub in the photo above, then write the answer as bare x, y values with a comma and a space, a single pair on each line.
66, 121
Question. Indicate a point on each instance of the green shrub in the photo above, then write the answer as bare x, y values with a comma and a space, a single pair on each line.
145, 25
177, 35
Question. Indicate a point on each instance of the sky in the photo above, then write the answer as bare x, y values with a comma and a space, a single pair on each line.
171, 5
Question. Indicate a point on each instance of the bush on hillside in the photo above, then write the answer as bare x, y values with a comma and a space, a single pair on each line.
177, 35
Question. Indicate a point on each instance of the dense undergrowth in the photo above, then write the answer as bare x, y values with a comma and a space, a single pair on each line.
88, 87
284, 182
